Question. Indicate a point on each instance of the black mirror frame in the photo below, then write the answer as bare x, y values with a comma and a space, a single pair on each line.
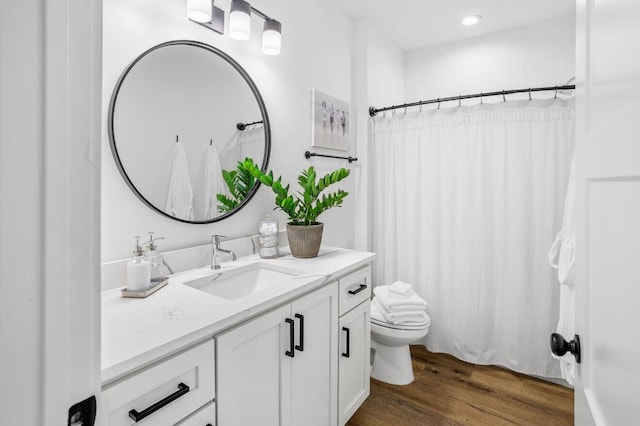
256, 93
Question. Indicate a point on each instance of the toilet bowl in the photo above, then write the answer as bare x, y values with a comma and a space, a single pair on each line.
391, 357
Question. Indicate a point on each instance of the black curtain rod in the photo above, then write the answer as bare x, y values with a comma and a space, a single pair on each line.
373, 111
242, 126
308, 155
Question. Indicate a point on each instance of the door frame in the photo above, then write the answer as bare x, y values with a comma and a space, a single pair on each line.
50, 80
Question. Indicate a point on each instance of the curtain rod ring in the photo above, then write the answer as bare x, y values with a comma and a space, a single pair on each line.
393, 112
556, 95
504, 99
438, 103
459, 101
529, 93
481, 98
420, 106
405, 110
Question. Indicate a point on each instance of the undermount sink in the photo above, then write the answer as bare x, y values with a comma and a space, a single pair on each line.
243, 281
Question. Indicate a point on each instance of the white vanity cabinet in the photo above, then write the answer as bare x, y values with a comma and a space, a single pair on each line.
164, 393
281, 368
355, 342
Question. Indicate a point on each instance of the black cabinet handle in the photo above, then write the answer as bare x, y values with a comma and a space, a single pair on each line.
300, 347
346, 354
291, 352
559, 346
362, 287
137, 416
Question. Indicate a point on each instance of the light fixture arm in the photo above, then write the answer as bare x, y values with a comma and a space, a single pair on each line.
217, 20
260, 14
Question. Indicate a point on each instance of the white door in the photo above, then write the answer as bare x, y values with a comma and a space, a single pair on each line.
50, 114
354, 362
608, 206
314, 370
253, 373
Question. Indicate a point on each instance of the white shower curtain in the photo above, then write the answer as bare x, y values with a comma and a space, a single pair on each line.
466, 202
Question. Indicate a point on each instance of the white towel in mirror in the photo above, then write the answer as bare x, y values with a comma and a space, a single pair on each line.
180, 194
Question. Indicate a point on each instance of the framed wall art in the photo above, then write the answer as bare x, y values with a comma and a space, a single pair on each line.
331, 122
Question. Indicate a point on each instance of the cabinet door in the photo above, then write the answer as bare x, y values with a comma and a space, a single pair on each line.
252, 370
353, 366
314, 367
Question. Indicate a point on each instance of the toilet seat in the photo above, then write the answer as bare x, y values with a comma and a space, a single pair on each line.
400, 326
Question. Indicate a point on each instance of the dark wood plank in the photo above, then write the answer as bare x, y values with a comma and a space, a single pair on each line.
448, 391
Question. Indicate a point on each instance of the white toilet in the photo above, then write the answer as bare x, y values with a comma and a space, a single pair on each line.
391, 357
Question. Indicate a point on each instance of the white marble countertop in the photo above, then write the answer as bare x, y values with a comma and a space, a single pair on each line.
138, 332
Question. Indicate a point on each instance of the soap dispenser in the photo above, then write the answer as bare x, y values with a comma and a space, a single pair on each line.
138, 270
154, 258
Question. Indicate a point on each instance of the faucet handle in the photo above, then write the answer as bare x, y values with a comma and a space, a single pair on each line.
215, 239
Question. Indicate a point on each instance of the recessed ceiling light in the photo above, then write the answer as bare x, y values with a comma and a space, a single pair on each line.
471, 20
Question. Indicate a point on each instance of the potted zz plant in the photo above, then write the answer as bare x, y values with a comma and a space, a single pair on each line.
303, 208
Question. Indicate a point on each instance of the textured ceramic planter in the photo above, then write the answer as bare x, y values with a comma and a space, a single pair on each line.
304, 241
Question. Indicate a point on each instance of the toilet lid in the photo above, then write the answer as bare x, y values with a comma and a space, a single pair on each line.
399, 326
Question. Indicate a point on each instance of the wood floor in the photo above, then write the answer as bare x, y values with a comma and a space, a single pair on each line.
448, 391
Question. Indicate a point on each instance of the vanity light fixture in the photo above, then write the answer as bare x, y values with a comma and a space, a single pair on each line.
205, 13
240, 20
471, 20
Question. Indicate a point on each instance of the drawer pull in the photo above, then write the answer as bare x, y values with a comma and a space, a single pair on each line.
362, 287
292, 343
300, 347
137, 416
346, 354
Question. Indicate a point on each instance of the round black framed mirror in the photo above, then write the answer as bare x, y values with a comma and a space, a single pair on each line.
181, 117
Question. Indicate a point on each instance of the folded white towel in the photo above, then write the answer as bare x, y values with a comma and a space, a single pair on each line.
398, 318
400, 288
179, 195
394, 304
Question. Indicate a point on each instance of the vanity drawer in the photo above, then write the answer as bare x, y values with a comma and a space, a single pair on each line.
206, 416
164, 393
355, 288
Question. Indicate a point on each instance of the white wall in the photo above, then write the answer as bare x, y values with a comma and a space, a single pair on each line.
316, 53
378, 81
538, 55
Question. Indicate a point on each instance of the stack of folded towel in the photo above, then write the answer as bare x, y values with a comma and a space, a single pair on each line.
398, 304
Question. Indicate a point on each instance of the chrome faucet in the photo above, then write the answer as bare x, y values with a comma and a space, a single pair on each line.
215, 255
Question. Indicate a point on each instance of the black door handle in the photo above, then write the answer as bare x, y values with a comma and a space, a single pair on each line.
292, 325
137, 416
346, 354
559, 346
358, 290
300, 347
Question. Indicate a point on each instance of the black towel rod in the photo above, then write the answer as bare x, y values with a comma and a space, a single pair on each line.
308, 155
243, 126
374, 111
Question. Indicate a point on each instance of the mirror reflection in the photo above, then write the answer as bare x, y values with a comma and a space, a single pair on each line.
174, 131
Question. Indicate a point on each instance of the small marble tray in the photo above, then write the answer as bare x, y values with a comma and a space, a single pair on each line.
155, 286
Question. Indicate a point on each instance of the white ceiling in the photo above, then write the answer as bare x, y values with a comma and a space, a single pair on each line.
417, 23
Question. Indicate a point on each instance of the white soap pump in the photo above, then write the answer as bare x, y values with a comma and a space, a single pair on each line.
138, 270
